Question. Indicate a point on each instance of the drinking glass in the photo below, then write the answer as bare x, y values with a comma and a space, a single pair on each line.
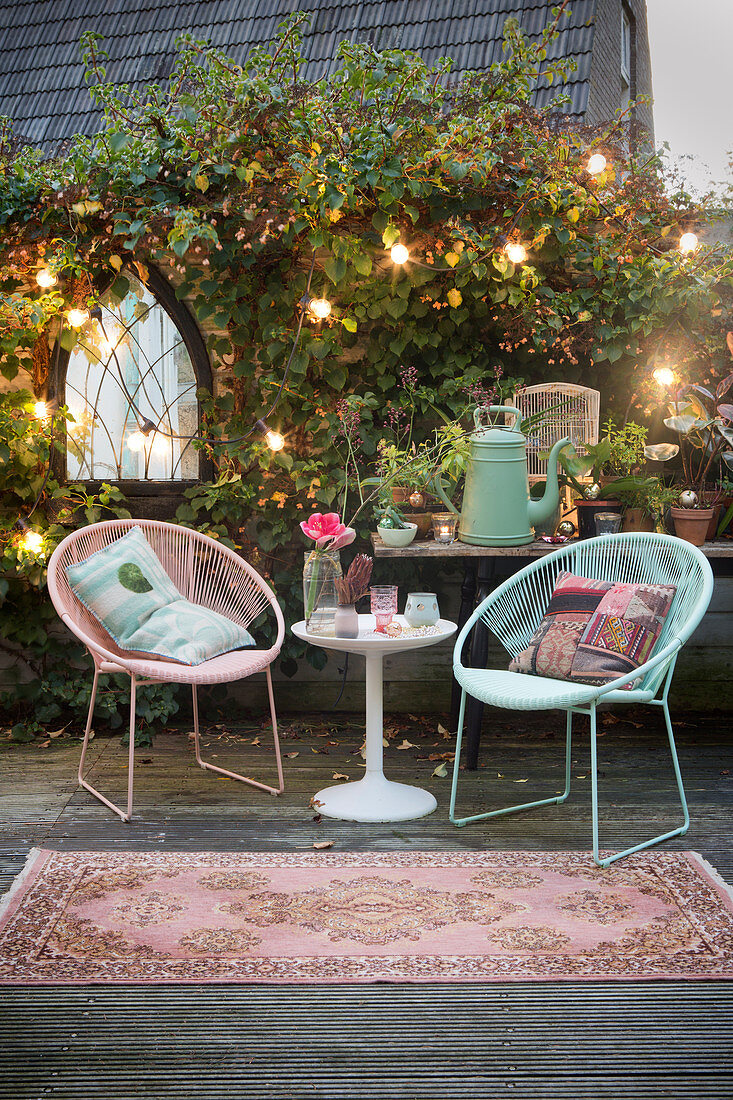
608, 523
384, 604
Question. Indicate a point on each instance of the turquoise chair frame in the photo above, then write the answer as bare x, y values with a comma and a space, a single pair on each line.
514, 610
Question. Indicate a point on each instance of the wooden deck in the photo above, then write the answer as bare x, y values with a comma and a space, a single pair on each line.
386, 1042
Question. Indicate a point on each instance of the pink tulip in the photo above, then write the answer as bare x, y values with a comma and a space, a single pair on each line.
327, 531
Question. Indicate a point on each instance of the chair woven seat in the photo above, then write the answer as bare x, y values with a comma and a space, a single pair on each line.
217, 670
517, 691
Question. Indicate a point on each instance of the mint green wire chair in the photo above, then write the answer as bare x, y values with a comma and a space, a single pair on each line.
514, 610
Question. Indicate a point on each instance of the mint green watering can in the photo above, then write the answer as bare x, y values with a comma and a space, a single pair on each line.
497, 510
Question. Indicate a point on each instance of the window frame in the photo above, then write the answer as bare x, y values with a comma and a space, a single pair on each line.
194, 343
627, 31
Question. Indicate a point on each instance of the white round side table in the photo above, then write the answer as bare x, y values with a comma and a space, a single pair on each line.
375, 798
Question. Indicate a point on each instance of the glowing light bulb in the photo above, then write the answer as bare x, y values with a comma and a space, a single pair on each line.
77, 317
136, 441
399, 254
40, 410
596, 164
516, 252
320, 308
688, 243
275, 441
46, 278
663, 376
161, 444
32, 542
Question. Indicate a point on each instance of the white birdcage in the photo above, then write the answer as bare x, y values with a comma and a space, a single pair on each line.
569, 410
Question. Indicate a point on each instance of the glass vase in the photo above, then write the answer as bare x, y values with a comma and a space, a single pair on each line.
320, 571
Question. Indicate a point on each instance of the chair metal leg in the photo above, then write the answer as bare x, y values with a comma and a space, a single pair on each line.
131, 755
680, 831
461, 821
235, 775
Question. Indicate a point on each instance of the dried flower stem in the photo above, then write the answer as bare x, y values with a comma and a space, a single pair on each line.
355, 584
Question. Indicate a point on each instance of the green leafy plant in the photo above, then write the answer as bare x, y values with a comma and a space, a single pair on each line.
235, 179
627, 442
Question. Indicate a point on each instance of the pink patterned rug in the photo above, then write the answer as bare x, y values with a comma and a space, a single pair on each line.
363, 917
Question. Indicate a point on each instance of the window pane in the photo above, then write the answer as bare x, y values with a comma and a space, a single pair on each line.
140, 371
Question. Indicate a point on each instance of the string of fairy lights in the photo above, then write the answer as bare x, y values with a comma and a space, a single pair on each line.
317, 309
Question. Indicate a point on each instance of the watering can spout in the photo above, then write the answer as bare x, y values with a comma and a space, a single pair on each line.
540, 510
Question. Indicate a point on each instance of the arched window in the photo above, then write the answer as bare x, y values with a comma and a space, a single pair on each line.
142, 363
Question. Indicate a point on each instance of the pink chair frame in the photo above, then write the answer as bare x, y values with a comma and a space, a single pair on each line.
206, 573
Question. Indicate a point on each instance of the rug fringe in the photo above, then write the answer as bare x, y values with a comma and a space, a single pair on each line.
725, 888
19, 881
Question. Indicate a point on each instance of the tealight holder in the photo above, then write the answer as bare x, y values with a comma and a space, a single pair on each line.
444, 526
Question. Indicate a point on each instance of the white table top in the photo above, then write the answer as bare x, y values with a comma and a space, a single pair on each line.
370, 643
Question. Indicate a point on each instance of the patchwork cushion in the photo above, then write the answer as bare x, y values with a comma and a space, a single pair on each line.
126, 588
594, 631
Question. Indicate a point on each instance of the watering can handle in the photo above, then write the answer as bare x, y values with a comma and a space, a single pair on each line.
497, 409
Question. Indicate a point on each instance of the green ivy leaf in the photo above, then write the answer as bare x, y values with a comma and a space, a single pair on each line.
335, 268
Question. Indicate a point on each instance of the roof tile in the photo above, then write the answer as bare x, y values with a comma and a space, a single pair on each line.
42, 78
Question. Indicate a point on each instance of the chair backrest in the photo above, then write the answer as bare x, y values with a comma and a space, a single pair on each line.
203, 571
515, 609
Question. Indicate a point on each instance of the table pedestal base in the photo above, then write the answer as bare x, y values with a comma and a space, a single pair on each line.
374, 798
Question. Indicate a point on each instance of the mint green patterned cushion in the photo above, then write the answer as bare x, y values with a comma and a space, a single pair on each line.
188, 633
128, 591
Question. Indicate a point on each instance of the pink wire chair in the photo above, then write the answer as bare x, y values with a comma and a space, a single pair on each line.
205, 573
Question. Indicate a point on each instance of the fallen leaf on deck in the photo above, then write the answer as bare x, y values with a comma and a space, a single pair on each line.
320, 844
499, 775
441, 771
292, 755
406, 745
45, 744
362, 751
192, 736
444, 732
56, 733
609, 719
339, 775
520, 781
442, 756
255, 742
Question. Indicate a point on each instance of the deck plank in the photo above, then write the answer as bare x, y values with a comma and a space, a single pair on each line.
582, 1041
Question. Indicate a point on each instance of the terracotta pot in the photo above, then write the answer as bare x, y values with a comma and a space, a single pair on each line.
691, 524
636, 519
587, 510
400, 494
424, 521
713, 525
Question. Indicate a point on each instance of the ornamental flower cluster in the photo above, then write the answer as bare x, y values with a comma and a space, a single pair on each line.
327, 531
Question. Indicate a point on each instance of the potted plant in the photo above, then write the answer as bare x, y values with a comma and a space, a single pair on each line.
392, 528
625, 464
646, 497
592, 497
704, 424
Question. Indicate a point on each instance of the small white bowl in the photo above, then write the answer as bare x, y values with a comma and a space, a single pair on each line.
397, 536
